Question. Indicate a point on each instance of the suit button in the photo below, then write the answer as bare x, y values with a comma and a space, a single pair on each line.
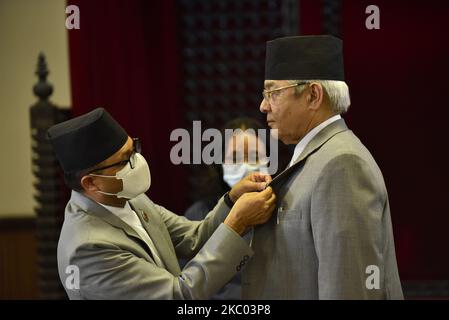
145, 217
242, 263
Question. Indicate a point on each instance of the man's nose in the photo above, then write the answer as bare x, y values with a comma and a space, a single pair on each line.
264, 106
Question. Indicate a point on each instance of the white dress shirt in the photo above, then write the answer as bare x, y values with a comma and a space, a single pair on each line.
302, 144
129, 216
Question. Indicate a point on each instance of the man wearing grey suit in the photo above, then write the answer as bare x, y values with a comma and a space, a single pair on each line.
331, 237
117, 244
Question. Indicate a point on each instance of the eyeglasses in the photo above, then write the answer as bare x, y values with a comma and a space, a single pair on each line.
271, 95
137, 148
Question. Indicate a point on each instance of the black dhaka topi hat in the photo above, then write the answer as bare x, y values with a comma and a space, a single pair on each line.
82, 142
304, 58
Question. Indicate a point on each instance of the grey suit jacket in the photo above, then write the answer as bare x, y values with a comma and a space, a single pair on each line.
332, 223
115, 263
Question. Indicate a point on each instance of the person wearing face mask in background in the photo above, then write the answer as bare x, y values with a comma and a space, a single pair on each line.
220, 178
214, 180
116, 243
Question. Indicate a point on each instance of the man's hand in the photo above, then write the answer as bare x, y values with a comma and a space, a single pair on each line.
255, 181
252, 208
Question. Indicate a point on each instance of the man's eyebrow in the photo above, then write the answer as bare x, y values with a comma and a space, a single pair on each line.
126, 152
268, 85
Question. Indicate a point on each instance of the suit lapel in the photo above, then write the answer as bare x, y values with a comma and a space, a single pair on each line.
93, 208
315, 144
99, 211
152, 226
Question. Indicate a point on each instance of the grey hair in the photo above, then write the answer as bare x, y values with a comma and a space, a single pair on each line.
337, 91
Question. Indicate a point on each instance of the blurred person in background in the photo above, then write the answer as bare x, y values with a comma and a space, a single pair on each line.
217, 179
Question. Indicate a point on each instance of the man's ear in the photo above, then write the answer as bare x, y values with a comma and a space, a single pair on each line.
87, 182
316, 96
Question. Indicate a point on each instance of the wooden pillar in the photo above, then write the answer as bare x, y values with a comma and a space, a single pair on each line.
50, 191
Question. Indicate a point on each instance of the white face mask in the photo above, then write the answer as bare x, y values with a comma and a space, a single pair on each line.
233, 173
135, 181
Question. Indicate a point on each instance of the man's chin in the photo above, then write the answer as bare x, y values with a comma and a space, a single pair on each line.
281, 137
274, 132
277, 134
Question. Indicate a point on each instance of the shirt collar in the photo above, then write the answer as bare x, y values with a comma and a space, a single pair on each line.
126, 214
302, 144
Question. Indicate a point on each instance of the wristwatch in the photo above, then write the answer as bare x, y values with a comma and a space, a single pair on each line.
228, 201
